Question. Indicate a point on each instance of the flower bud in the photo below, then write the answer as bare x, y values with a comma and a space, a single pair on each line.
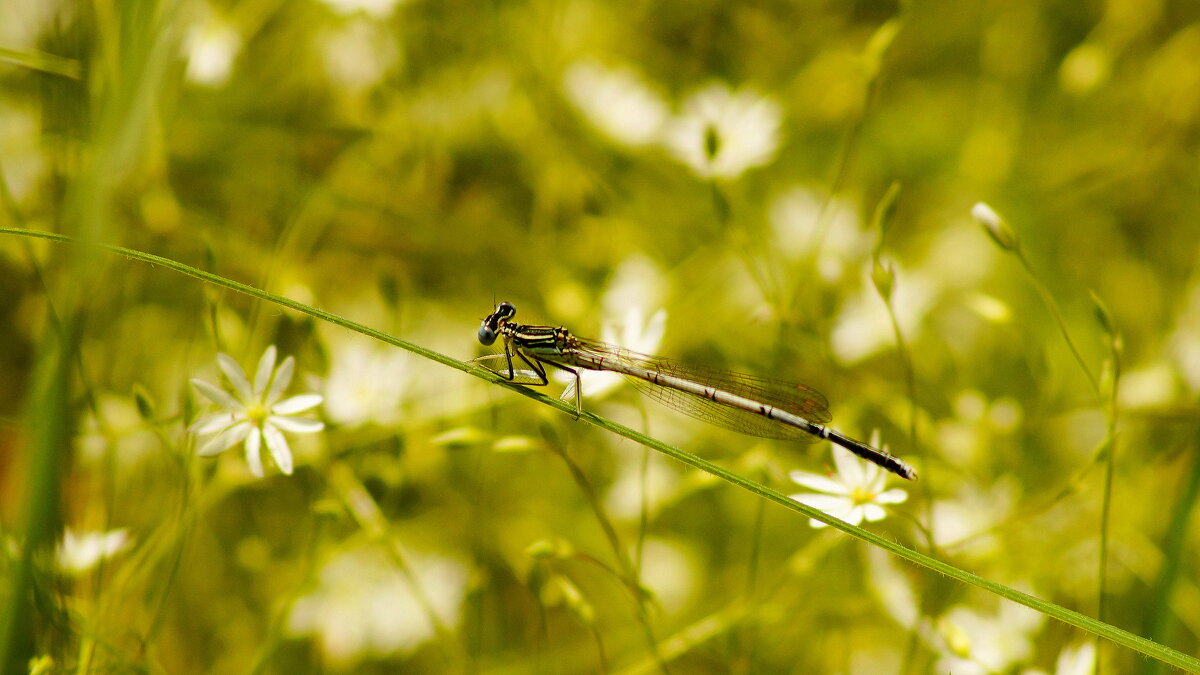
997, 228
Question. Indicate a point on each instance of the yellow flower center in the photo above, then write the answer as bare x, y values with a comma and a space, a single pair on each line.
861, 496
256, 414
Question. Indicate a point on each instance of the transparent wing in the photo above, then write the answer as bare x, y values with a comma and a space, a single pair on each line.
797, 399
499, 365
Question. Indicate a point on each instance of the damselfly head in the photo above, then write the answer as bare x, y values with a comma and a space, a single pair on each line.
490, 327
487, 334
504, 311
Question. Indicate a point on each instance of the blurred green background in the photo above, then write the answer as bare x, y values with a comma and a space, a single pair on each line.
408, 164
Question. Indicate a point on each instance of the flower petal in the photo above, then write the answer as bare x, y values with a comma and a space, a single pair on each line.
827, 503
236, 376
297, 404
266, 365
225, 440
283, 377
842, 509
850, 469
876, 479
818, 482
596, 384
297, 425
837, 507
893, 496
872, 512
211, 424
280, 451
653, 332
254, 453
854, 516
216, 394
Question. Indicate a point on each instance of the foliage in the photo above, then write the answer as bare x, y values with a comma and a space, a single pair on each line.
971, 227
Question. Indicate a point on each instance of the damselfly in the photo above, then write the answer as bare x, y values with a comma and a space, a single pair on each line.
743, 403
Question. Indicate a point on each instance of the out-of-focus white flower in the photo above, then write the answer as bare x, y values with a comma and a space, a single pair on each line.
254, 412
24, 161
969, 436
956, 258
27, 21
635, 333
1185, 339
892, 587
862, 327
366, 384
364, 606
358, 54
376, 9
1077, 660
722, 133
211, 47
989, 307
78, 553
637, 282
617, 102
631, 490
671, 570
1148, 386
796, 218
113, 431
854, 494
966, 520
975, 644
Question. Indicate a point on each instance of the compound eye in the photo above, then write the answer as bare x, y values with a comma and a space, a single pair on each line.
505, 310
487, 335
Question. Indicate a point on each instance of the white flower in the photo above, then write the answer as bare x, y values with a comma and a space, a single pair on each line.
636, 282
358, 53
672, 571
24, 161
976, 644
722, 133
634, 489
254, 413
1185, 338
211, 46
78, 553
617, 102
114, 431
364, 606
855, 494
1077, 660
366, 384
802, 229
862, 328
